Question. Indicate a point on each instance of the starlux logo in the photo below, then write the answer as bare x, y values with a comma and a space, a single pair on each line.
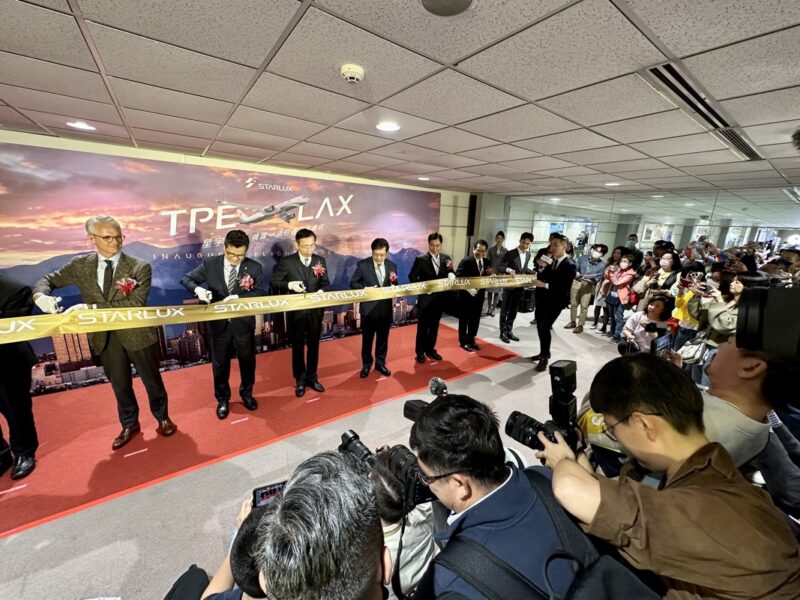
268, 187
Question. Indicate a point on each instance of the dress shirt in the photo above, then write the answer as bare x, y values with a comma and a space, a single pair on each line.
101, 267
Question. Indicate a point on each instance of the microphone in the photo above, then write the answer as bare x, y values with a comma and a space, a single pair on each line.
437, 386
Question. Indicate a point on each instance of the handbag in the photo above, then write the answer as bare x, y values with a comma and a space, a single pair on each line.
694, 351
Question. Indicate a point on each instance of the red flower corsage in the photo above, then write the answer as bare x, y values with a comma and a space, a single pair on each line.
489, 271
318, 270
449, 265
246, 282
126, 285
393, 278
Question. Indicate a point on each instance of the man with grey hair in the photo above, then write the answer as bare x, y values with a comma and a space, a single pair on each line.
322, 538
108, 278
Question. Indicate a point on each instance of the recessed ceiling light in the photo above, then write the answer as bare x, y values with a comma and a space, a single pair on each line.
657, 196
387, 126
424, 178
81, 125
555, 199
688, 204
623, 210
612, 184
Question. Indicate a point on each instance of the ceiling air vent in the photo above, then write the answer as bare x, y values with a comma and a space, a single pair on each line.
793, 193
675, 85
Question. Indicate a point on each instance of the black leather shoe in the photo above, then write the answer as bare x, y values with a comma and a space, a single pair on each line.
467, 347
475, 346
316, 386
23, 466
541, 365
363, 372
504, 338
421, 359
383, 371
300, 391
222, 409
533, 321
250, 403
434, 355
512, 337
125, 436
6, 462
536, 357
166, 427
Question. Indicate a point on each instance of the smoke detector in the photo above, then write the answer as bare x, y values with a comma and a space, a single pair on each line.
446, 8
352, 73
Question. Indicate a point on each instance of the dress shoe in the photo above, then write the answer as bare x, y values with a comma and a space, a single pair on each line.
512, 337
491, 313
383, 370
541, 365
166, 427
23, 466
364, 372
316, 386
533, 321
504, 338
6, 462
421, 359
434, 355
475, 346
222, 409
570, 325
124, 436
300, 390
539, 356
578, 329
250, 403
467, 347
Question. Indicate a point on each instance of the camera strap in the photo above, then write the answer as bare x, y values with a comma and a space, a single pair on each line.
398, 591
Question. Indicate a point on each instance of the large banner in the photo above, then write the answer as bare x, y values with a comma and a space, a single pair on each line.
175, 214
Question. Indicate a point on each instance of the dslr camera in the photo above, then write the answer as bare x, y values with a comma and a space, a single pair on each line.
563, 411
768, 321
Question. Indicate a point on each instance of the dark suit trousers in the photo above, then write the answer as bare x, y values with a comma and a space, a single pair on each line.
116, 362
508, 311
428, 324
16, 407
470, 316
375, 326
304, 331
546, 315
223, 345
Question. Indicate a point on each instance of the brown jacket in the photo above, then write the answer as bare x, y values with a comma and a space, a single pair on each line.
708, 534
81, 272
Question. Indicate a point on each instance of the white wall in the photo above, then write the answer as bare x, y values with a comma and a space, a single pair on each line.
453, 217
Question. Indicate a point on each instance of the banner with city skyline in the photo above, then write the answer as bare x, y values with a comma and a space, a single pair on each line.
173, 215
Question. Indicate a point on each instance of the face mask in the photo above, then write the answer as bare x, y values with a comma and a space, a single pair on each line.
624, 264
630, 244
596, 255
665, 264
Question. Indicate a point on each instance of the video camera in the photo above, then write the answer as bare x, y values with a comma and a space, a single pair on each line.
563, 411
769, 321
413, 408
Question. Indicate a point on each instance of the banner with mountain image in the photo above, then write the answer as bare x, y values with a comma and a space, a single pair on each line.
173, 215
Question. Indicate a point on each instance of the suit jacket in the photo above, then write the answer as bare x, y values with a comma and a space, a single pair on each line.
291, 268
212, 272
468, 267
559, 284
513, 260
423, 270
16, 300
365, 276
81, 271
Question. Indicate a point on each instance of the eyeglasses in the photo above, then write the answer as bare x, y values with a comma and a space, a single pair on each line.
608, 430
232, 255
307, 246
110, 238
427, 480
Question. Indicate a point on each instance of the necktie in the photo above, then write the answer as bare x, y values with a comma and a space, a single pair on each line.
306, 262
525, 264
480, 267
231, 279
555, 264
379, 273
108, 278
435, 260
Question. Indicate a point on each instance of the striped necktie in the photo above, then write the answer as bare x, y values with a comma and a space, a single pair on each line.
231, 279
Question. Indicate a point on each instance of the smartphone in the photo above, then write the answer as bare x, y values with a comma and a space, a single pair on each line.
661, 346
265, 494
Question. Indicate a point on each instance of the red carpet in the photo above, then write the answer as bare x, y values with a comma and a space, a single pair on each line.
76, 467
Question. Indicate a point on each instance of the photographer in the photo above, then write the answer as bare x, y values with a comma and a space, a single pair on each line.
706, 532
461, 458
642, 328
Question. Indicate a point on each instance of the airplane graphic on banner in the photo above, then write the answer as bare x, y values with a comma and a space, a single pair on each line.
283, 210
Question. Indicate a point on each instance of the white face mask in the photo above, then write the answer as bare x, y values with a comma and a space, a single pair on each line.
624, 264
596, 255
665, 263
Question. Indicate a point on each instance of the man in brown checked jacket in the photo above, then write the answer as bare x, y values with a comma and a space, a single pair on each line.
109, 278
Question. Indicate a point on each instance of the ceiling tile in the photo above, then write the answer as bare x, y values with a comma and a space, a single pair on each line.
156, 122
484, 179
699, 142
550, 57
651, 127
406, 151
721, 178
132, 94
245, 117
569, 172
592, 178
54, 103
329, 152
321, 43
12, 120
384, 174
781, 105
232, 156
453, 161
500, 153
466, 99
415, 168
772, 133
443, 38
663, 180
40, 33
60, 5
749, 67
347, 167
705, 24
410, 126
646, 173
779, 150
48, 77
284, 96
375, 160
55, 120
784, 163
612, 153
240, 150
342, 138
540, 163
169, 139
732, 167
579, 139
518, 123
133, 57
701, 158
241, 31
94, 136
629, 165
255, 139
451, 140
453, 174
490, 169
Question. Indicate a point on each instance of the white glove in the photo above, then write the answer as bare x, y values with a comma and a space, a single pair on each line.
297, 286
472, 291
451, 276
231, 298
203, 294
48, 304
76, 307
510, 271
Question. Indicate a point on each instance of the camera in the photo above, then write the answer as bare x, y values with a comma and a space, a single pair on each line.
768, 321
413, 408
265, 494
352, 444
563, 411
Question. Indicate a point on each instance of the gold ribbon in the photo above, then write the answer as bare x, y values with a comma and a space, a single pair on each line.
104, 319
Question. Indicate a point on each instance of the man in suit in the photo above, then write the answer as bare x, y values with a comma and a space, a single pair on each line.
552, 294
227, 278
376, 317
470, 301
429, 266
300, 273
515, 262
95, 275
17, 358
